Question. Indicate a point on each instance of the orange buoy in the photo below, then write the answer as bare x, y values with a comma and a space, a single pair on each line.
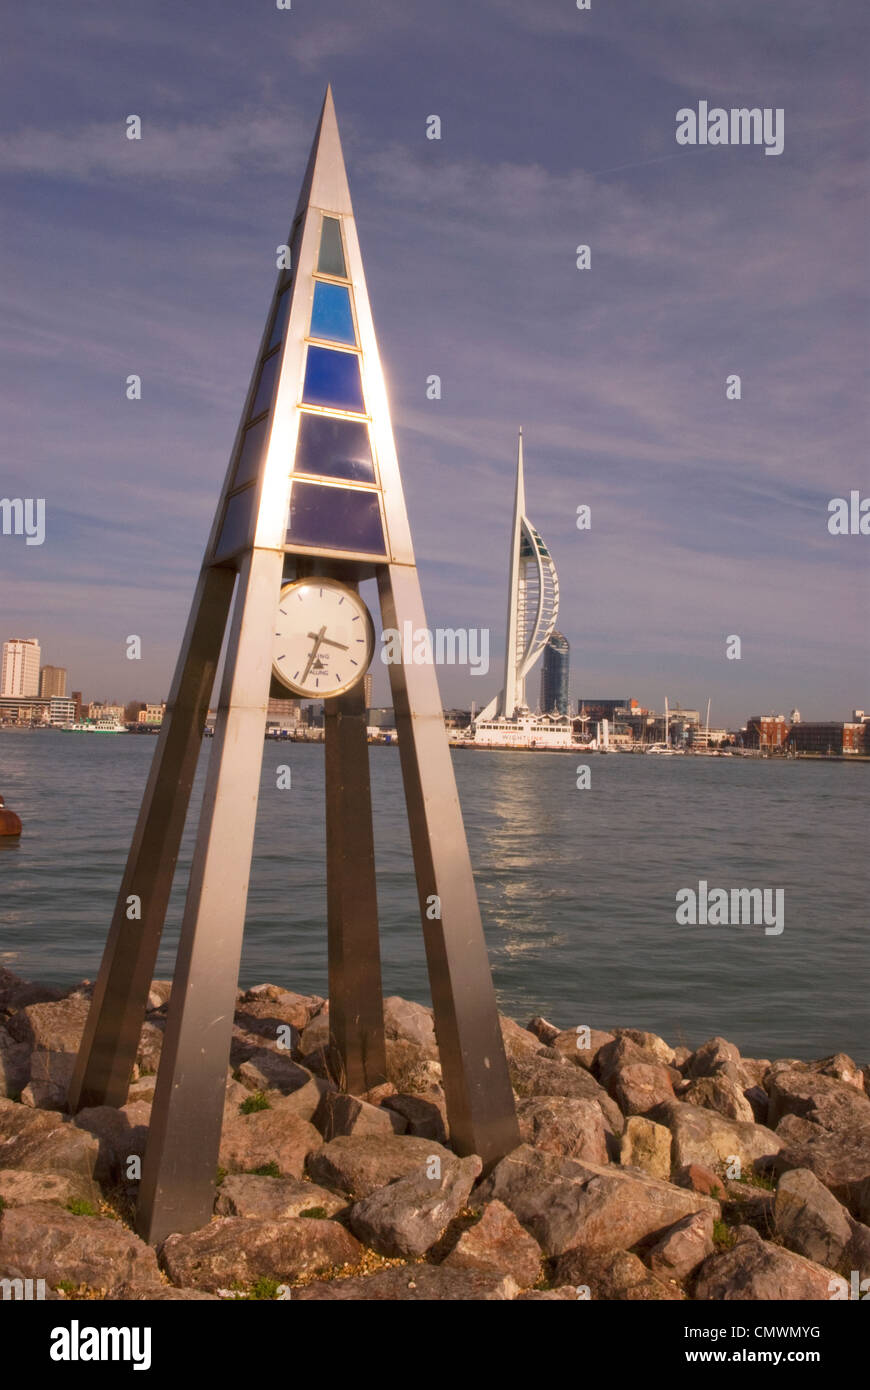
10, 824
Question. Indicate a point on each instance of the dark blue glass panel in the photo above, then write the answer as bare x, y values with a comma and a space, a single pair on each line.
251, 452
334, 448
279, 323
332, 379
266, 387
237, 521
331, 315
331, 259
340, 518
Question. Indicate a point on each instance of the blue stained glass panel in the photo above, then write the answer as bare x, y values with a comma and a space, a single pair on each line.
237, 522
266, 387
338, 518
279, 323
331, 258
334, 448
331, 316
332, 379
251, 452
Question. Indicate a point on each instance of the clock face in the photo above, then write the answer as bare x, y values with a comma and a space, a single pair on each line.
324, 637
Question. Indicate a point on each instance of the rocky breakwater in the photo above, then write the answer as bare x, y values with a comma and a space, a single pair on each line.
644, 1172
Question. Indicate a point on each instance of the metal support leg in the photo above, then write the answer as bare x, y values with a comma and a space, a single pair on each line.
180, 1166
356, 1010
480, 1103
111, 1037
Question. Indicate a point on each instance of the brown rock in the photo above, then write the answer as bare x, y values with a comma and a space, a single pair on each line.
700, 1179
409, 1215
567, 1044
267, 1136
237, 1250
357, 1166
756, 1270
59, 1149
648, 1042
840, 1160
424, 1115
565, 1125
809, 1219
415, 1284
21, 1188
339, 1114
16, 1119
405, 1021
683, 1247
545, 1032
825, 1100
14, 1065
566, 1203
498, 1244
274, 1199
518, 1042
121, 1134
705, 1137
721, 1093
539, 1076
647, 1146
613, 1275
16, 993
710, 1056
49, 1243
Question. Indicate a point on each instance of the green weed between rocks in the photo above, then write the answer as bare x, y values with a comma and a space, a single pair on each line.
254, 1102
79, 1207
723, 1236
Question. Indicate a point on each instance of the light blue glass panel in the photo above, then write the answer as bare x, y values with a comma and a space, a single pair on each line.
332, 379
331, 316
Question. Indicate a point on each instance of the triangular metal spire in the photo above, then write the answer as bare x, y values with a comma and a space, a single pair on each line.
312, 498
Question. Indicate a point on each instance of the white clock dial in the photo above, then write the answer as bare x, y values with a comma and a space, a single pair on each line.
324, 637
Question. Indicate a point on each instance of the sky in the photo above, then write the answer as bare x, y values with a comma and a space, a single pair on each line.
157, 257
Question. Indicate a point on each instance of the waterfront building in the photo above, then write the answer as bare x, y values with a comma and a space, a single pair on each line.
20, 670
97, 710
151, 714
52, 681
831, 737
599, 709
367, 689
283, 714
77, 696
554, 674
767, 732
61, 710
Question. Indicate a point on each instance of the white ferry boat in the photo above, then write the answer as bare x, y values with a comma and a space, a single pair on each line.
95, 726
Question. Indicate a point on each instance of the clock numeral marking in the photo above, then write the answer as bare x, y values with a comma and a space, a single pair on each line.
356, 619
340, 601
296, 675
283, 610
354, 663
281, 657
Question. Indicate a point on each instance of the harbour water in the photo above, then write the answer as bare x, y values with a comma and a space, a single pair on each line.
577, 887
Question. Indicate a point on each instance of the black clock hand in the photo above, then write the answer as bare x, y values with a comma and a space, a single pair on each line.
318, 638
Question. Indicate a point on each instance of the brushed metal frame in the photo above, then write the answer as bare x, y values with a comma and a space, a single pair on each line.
179, 1170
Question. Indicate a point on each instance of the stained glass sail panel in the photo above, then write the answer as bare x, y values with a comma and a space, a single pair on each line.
266, 387
251, 452
332, 448
331, 316
331, 259
337, 518
332, 379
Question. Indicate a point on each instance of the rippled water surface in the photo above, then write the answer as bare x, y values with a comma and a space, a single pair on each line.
577, 888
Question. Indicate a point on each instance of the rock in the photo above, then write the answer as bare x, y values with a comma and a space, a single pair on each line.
267, 1012
17, 1119
842, 1068
857, 1253
163, 1293
497, 1243
758, 1103
121, 1134
359, 1165
274, 1071
700, 1179
809, 1219
648, 1042
51, 1027
824, 1100
614, 1275
757, 1270
16, 993
839, 1160
545, 1032
142, 1090
240, 1250
315, 1035
708, 1138
21, 1188
425, 1115
414, 1284
565, 1125
405, 1021
681, 1249
150, 1046
647, 1146
566, 1203
793, 1130
339, 1114
710, 1056
567, 1045
538, 1076
14, 1065
409, 1215
720, 1093
267, 1136
274, 1199
635, 1078
161, 990
518, 1041
59, 1149
564, 1294
410, 1068
49, 1243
